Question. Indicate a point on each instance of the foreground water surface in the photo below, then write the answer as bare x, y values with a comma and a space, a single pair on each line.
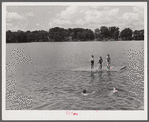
41, 76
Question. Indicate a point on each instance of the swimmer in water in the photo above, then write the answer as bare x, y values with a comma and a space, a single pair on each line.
114, 90
92, 62
100, 63
84, 91
108, 62
86, 94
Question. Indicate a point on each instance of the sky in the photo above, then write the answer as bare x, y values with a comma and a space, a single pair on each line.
45, 17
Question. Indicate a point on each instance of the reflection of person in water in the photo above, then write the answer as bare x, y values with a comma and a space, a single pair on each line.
92, 77
109, 76
100, 76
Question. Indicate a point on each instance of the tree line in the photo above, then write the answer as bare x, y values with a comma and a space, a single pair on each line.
58, 34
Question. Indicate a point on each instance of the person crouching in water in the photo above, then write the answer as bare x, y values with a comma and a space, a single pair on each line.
84, 91
92, 62
108, 61
100, 63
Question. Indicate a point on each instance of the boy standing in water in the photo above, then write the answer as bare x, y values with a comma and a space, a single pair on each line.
92, 62
108, 61
100, 63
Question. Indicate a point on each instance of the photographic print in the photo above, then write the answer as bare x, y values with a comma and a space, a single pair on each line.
75, 60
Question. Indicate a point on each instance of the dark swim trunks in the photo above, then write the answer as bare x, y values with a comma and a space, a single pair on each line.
100, 61
92, 62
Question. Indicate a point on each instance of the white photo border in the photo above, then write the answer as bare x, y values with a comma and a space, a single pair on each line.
61, 114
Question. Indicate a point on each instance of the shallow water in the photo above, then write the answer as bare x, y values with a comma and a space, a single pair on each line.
41, 76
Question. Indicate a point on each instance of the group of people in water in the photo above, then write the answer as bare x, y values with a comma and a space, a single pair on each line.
99, 68
100, 62
111, 92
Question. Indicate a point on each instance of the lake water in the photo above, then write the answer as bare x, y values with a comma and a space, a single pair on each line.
41, 76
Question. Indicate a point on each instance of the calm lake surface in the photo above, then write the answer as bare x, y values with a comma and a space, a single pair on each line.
41, 76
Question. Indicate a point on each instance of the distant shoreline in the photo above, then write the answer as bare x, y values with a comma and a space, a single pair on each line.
79, 41
58, 34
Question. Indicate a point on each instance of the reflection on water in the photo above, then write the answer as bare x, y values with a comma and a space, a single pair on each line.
49, 83
109, 75
92, 76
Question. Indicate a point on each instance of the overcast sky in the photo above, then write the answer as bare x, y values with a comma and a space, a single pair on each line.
46, 17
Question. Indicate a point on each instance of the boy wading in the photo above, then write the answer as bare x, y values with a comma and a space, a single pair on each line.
108, 61
92, 62
100, 63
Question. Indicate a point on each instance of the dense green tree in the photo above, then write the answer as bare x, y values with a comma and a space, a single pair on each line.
75, 34
104, 32
79, 36
126, 34
20, 36
8, 36
58, 34
114, 32
97, 34
138, 35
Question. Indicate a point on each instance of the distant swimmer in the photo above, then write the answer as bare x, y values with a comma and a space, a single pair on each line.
113, 91
85, 94
100, 63
84, 91
92, 62
108, 62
